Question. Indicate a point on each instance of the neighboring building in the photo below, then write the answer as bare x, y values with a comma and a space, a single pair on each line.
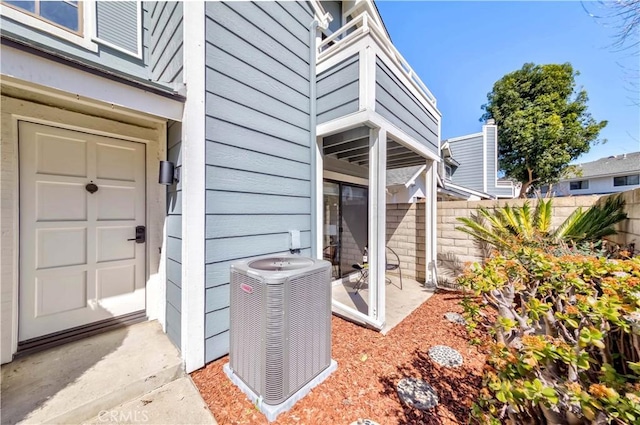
476, 163
278, 117
617, 173
408, 185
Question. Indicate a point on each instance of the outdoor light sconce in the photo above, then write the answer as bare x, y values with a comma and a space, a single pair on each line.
169, 173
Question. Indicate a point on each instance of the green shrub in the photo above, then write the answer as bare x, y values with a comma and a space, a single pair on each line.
565, 346
508, 228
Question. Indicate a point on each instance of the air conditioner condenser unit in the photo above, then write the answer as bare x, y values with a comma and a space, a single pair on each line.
280, 332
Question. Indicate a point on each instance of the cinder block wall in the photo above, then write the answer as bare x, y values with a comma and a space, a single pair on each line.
406, 230
406, 236
456, 248
629, 230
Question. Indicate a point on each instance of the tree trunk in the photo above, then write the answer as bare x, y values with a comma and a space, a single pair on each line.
523, 189
525, 186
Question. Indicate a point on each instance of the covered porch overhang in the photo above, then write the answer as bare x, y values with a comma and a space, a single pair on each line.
373, 114
360, 147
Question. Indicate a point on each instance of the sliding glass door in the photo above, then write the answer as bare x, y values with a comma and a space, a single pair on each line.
346, 222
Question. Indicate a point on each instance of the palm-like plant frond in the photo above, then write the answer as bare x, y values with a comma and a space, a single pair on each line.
525, 221
481, 233
506, 227
594, 223
543, 215
568, 225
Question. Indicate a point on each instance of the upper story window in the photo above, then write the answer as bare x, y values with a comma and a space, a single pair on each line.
631, 180
88, 24
64, 14
579, 185
447, 172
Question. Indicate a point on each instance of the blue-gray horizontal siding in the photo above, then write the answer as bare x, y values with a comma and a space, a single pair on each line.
469, 153
335, 9
258, 139
338, 90
166, 41
492, 165
174, 238
500, 191
117, 23
396, 103
106, 57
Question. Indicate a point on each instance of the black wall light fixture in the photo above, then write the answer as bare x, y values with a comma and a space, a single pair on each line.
169, 173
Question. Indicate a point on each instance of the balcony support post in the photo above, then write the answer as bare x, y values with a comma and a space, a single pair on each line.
377, 222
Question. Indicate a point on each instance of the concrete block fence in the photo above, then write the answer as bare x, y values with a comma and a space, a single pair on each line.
406, 236
456, 249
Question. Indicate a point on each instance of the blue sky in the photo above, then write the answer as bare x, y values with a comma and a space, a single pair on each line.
460, 49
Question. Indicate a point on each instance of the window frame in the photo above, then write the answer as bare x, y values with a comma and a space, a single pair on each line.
626, 180
139, 31
81, 38
581, 184
448, 172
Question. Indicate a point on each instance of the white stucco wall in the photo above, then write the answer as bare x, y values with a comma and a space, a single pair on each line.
597, 185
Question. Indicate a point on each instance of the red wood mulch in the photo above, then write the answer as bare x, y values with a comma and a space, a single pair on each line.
369, 367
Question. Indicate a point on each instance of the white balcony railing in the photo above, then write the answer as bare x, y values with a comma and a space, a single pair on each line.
358, 28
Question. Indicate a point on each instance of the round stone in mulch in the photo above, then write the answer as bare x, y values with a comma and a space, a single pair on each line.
455, 318
417, 393
445, 356
365, 422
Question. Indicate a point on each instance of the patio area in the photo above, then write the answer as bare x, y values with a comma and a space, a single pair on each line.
370, 366
400, 303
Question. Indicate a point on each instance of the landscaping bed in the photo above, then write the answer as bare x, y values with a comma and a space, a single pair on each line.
370, 366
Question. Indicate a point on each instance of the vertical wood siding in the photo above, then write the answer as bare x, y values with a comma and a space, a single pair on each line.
338, 90
258, 173
174, 238
397, 104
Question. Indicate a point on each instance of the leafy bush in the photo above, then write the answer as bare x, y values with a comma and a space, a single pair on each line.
508, 228
565, 346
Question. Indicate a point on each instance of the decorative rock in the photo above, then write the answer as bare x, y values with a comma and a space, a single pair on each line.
455, 318
417, 393
445, 356
365, 422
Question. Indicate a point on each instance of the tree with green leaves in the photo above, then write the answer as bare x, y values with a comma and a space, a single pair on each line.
543, 123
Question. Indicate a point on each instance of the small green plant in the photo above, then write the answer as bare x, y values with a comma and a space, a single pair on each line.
565, 344
508, 228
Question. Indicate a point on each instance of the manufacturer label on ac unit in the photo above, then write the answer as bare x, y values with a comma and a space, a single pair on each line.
246, 288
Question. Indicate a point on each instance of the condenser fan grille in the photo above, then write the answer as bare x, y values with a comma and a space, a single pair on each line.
280, 325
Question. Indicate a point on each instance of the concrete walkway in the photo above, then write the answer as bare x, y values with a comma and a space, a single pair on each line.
399, 302
129, 375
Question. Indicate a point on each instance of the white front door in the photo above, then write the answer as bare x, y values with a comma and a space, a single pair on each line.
77, 262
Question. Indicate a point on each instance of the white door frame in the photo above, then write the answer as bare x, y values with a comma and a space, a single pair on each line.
134, 127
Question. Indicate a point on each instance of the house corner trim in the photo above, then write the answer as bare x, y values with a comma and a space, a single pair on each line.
193, 192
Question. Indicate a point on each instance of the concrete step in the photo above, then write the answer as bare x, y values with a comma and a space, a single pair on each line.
175, 403
74, 382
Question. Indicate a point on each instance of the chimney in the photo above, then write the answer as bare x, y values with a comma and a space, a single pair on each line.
491, 121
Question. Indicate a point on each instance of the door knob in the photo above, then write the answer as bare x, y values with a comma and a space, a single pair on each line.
141, 235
